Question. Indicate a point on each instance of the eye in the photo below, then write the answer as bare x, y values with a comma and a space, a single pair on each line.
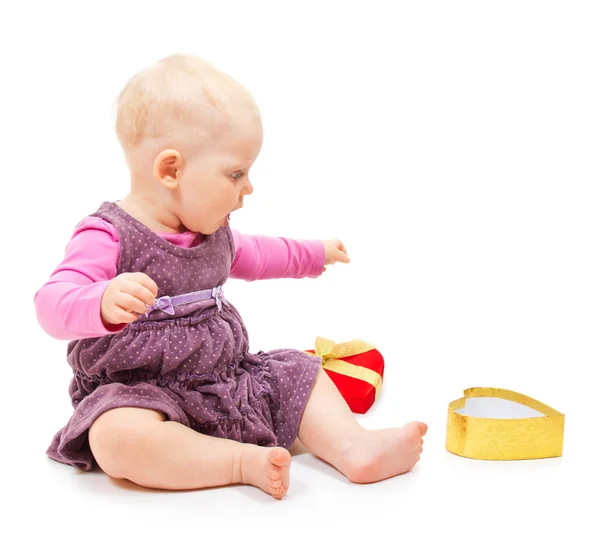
238, 175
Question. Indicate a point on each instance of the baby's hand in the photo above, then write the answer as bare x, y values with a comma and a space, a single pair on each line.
127, 295
335, 252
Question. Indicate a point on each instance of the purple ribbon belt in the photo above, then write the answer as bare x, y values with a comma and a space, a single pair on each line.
168, 303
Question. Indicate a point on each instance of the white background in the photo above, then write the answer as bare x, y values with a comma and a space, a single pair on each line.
452, 146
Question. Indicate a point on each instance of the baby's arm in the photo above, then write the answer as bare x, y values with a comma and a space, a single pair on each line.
68, 306
263, 257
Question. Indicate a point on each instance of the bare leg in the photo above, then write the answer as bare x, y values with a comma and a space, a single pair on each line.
330, 430
139, 445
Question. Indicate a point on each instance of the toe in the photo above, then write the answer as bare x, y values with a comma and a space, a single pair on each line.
423, 428
276, 491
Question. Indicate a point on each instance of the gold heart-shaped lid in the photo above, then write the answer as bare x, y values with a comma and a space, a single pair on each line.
498, 424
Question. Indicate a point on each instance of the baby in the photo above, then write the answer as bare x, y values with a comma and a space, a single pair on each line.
165, 391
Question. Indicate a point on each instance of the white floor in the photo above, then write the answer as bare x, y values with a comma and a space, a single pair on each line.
446, 501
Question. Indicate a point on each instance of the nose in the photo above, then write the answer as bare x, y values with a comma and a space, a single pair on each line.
248, 188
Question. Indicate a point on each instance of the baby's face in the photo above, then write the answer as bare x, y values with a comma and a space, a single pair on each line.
214, 183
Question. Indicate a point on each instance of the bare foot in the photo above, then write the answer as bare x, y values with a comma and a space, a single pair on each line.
267, 468
375, 455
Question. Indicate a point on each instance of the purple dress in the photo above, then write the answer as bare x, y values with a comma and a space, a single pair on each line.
189, 361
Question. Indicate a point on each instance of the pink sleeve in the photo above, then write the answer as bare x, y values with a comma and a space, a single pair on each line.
68, 305
263, 257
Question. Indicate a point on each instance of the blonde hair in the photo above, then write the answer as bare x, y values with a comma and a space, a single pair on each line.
179, 92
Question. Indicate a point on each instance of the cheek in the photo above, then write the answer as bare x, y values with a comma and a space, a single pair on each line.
194, 193
228, 193
190, 203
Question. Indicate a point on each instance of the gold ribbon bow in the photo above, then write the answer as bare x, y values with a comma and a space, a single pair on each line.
504, 439
331, 354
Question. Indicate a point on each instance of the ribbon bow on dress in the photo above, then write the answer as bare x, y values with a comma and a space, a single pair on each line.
167, 304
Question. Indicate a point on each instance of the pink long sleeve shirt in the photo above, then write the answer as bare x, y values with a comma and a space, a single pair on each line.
68, 305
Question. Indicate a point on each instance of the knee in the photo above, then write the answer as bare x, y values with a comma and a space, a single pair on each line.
117, 439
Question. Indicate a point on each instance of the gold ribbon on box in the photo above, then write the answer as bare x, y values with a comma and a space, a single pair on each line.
332, 354
504, 439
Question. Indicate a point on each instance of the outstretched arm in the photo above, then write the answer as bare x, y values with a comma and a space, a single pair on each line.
264, 257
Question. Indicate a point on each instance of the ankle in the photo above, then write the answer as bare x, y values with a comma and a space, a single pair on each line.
348, 444
237, 466
246, 461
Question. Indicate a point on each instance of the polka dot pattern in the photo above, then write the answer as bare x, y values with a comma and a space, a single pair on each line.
195, 366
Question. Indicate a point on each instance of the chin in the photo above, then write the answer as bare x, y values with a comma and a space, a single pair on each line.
216, 228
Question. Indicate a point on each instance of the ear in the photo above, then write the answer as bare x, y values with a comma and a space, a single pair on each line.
167, 167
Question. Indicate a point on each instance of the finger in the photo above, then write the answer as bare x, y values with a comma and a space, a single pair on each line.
129, 303
341, 247
124, 316
139, 291
146, 281
342, 257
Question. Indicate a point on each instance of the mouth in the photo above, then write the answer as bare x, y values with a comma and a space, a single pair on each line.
228, 216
